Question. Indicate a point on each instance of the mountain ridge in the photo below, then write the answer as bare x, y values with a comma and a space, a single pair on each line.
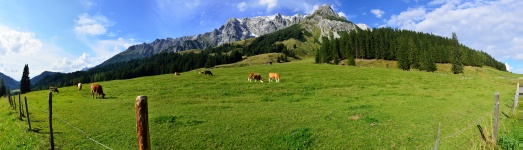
234, 29
11, 83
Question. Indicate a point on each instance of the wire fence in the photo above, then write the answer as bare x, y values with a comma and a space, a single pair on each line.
473, 124
79, 130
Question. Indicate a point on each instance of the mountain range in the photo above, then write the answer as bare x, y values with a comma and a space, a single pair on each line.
236, 29
323, 22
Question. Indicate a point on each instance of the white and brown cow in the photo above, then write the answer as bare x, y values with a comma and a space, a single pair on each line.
79, 86
256, 77
274, 76
97, 88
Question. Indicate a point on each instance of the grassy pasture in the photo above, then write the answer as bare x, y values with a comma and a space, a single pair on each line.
315, 106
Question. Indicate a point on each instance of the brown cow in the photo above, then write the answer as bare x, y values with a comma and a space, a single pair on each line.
177, 73
95, 87
79, 86
54, 89
274, 76
256, 77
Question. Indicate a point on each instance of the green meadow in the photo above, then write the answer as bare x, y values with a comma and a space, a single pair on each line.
315, 106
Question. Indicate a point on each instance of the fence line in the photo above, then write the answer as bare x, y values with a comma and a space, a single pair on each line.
79, 130
480, 119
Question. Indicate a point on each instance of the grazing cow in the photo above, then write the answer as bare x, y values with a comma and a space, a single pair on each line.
206, 72
256, 77
54, 89
274, 76
97, 88
176, 73
79, 86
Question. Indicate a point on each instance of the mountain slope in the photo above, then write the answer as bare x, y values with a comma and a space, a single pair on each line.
233, 30
37, 78
10, 82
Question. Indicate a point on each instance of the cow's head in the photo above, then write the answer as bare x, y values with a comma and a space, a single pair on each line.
103, 95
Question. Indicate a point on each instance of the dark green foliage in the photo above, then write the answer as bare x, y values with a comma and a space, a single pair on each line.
3, 88
411, 49
25, 82
507, 142
267, 43
457, 64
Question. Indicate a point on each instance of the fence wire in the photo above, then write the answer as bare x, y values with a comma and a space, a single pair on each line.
480, 119
80, 130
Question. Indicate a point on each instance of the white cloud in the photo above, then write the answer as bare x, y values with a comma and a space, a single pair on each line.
12, 41
508, 67
91, 25
66, 65
18, 48
341, 14
377, 12
490, 26
242, 6
270, 4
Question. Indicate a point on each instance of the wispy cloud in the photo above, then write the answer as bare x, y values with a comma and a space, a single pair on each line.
91, 25
269, 3
377, 12
241, 6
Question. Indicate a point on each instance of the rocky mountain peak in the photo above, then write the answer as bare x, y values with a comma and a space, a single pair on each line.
326, 10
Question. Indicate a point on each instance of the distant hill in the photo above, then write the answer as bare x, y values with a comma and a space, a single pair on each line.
37, 78
11, 83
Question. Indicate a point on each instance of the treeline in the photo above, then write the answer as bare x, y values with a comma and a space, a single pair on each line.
414, 49
163, 63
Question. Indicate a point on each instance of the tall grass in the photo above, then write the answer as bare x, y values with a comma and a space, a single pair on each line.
315, 106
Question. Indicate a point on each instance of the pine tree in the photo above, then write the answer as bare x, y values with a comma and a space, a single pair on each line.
402, 56
25, 83
457, 64
3, 89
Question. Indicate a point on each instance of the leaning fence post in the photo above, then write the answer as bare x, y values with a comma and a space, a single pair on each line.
20, 107
14, 102
27, 113
496, 117
437, 140
142, 123
51, 138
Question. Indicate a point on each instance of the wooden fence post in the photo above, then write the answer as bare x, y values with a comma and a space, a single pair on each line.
27, 113
516, 99
142, 123
9, 99
14, 102
496, 117
437, 140
20, 107
51, 138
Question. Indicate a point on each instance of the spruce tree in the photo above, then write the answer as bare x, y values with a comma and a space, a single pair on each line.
457, 64
3, 89
25, 83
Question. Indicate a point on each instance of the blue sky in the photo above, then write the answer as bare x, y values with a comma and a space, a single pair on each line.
67, 36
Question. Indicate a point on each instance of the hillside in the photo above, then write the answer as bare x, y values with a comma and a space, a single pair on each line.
39, 77
315, 106
11, 83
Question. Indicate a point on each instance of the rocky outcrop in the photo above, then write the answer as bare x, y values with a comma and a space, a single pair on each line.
327, 21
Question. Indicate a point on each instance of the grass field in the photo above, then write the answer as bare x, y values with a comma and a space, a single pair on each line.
315, 106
